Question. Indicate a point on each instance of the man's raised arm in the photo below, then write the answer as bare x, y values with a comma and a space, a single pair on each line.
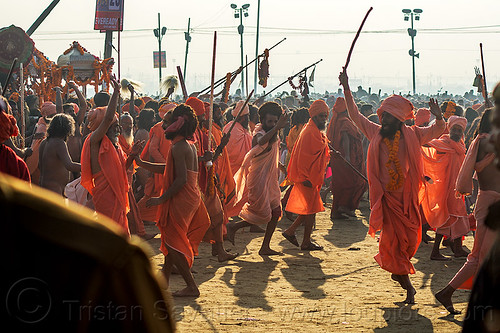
100, 132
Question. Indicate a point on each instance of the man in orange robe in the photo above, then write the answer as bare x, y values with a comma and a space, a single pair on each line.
240, 140
395, 176
258, 191
306, 170
182, 217
443, 209
347, 186
156, 151
207, 182
104, 164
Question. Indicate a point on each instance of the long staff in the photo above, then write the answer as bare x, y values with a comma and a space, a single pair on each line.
211, 114
485, 90
356, 38
14, 62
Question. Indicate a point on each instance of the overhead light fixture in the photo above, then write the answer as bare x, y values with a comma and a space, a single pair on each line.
233, 6
418, 11
406, 11
406, 18
236, 15
245, 6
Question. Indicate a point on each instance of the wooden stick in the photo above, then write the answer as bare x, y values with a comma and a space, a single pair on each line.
246, 74
23, 124
14, 62
355, 39
485, 90
183, 84
239, 112
211, 114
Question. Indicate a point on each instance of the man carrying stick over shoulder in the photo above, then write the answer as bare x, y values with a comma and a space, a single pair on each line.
395, 177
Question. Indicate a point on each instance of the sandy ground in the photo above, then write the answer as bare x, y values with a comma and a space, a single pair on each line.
340, 289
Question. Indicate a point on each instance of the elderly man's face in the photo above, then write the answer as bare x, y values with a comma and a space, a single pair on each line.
456, 133
320, 120
127, 124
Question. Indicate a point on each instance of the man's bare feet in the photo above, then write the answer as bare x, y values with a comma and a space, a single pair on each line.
410, 296
397, 278
226, 256
445, 299
460, 253
439, 257
187, 292
268, 252
256, 229
426, 238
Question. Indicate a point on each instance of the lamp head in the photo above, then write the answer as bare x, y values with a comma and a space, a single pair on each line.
233, 6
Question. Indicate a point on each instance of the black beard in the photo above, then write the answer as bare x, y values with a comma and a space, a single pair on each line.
321, 126
455, 138
388, 133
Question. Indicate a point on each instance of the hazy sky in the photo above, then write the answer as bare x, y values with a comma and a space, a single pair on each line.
449, 33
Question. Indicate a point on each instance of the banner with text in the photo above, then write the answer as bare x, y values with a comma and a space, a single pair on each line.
109, 15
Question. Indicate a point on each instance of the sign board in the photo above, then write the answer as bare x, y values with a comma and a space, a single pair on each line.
156, 59
109, 15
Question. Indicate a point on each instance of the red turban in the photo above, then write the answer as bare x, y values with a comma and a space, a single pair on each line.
238, 107
8, 126
197, 105
126, 107
164, 108
96, 116
456, 120
422, 116
48, 109
398, 106
319, 106
339, 105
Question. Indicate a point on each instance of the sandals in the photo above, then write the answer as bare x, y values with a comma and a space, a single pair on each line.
312, 247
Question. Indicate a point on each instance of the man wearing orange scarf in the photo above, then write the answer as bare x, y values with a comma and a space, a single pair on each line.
10, 163
240, 140
306, 170
104, 164
443, 209
347, 186
395, 177
257, 187
156, 151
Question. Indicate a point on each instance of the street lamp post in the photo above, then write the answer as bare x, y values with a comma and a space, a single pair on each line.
238, 13
159, 33
409, 15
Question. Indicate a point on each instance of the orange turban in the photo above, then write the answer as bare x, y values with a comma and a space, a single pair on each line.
48, 109
422, 116
319, 106
197, 105
96, 116
146, 99
164, 108
8, 126
126, 106
456, 120
238, 107
142, 103
339, 105
398, 106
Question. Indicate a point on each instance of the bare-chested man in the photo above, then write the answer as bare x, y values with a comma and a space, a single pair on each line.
55, 162
480, 159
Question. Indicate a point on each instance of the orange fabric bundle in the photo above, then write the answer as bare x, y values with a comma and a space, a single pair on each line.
422, 116
164, 108
197, 105
240, 143
8, 126
317, 107
95, 117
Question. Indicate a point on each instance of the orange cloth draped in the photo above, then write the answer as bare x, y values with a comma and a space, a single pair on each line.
443, 209
12, 164
396, 213
223, 167
347, 186
183, 219
109, 187
32, 160
257, 190
240, 143
309, 159
156, 150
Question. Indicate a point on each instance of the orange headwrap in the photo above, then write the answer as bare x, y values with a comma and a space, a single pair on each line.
339, 105
96, 116
48, 109
456, 120
8, 126
146, 99
422, 116
238, 107
14, 97
398, 106
197, 105
126, 106
141, 106
164, 108
319, 106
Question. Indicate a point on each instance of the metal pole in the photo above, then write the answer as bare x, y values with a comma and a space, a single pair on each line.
159, 49
188, 39
257, 48
41, 18
413, 52
108, 40
240, 28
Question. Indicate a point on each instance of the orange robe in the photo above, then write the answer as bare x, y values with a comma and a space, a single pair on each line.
183, 219
395, 213
109, 187
156, 150
135, 223
347, 186
240, 143
257, 190
443, 209
310, 156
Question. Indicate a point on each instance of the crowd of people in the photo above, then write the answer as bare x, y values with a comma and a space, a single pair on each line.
201, 173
